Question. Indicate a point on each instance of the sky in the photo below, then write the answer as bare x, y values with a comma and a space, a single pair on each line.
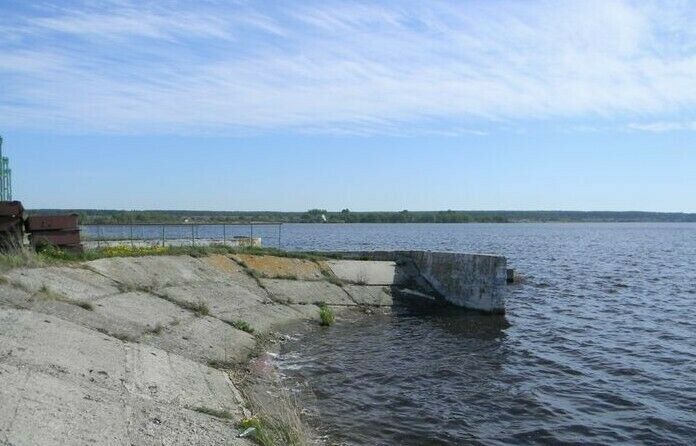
276, 105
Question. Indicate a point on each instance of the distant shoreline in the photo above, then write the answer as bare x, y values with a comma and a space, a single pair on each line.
96, 216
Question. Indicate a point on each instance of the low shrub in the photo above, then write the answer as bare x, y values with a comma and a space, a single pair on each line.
326, 315
243, 325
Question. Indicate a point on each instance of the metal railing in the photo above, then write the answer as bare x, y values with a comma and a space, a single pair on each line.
180, 234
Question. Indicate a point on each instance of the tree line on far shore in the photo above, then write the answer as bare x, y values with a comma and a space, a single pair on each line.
88, 216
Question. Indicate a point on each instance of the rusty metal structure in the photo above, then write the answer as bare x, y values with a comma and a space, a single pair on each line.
60, 231
11, 225
5, 177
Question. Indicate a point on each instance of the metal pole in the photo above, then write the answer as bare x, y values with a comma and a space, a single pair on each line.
280, 230
163, 236
193, 237
224, 234
251, 239
131, 235
99, 236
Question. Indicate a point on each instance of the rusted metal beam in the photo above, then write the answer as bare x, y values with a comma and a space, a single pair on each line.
51, 222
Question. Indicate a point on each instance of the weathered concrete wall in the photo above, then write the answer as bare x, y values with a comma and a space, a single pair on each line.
473, 281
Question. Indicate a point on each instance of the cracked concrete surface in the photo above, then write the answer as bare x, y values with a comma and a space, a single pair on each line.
119, 351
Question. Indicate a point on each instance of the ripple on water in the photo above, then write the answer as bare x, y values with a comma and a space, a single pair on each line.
598, 345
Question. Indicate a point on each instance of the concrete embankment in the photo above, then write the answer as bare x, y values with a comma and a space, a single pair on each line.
139, 350
473, 281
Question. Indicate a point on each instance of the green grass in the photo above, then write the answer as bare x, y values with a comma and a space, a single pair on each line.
200, 308
243, 325
331, 278
213, 412
261, 435
270, 432
45, 293
326, 315
84, 305
225, 365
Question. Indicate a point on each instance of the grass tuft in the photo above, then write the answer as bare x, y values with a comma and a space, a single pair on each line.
277, 419
224, 365
85, 305
243, 325
326, 315
200, 308
226, 415
331, 277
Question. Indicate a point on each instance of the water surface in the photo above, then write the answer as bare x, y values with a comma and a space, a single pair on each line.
598, 345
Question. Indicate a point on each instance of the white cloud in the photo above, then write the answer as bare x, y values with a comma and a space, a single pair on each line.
341, 67
663, 126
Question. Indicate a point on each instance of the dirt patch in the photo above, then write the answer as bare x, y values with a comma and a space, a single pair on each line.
281, 267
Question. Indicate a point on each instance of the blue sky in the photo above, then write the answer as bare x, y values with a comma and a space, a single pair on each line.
587, 105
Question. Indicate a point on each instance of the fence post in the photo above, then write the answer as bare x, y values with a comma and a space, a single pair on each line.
224, 234
280, 230
251, 239
99, 236
193, 236
163, 236
131, 235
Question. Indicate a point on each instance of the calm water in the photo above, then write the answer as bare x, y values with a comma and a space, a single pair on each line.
598, 345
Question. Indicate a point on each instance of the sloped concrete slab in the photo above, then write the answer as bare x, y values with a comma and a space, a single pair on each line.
156, 425
73, 283
141, 309
221, 298
264, 318
155, 272
365, 272
206, 340
11, 297
74, 354
295, 291
230, 302
40, 409
113, 326
281, 267
234, 272
370, 295
309, 312
153, 373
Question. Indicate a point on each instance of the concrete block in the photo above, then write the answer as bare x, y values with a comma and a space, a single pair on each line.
281, 267
73, 283
107, 324
473, 281
142, 309
370, 295
43, 409
367, 272
12, 297
234, 273
205, 340
155, 271
221, 298
295, 291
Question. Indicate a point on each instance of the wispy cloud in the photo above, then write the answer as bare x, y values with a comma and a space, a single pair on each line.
343, 67
663, 126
